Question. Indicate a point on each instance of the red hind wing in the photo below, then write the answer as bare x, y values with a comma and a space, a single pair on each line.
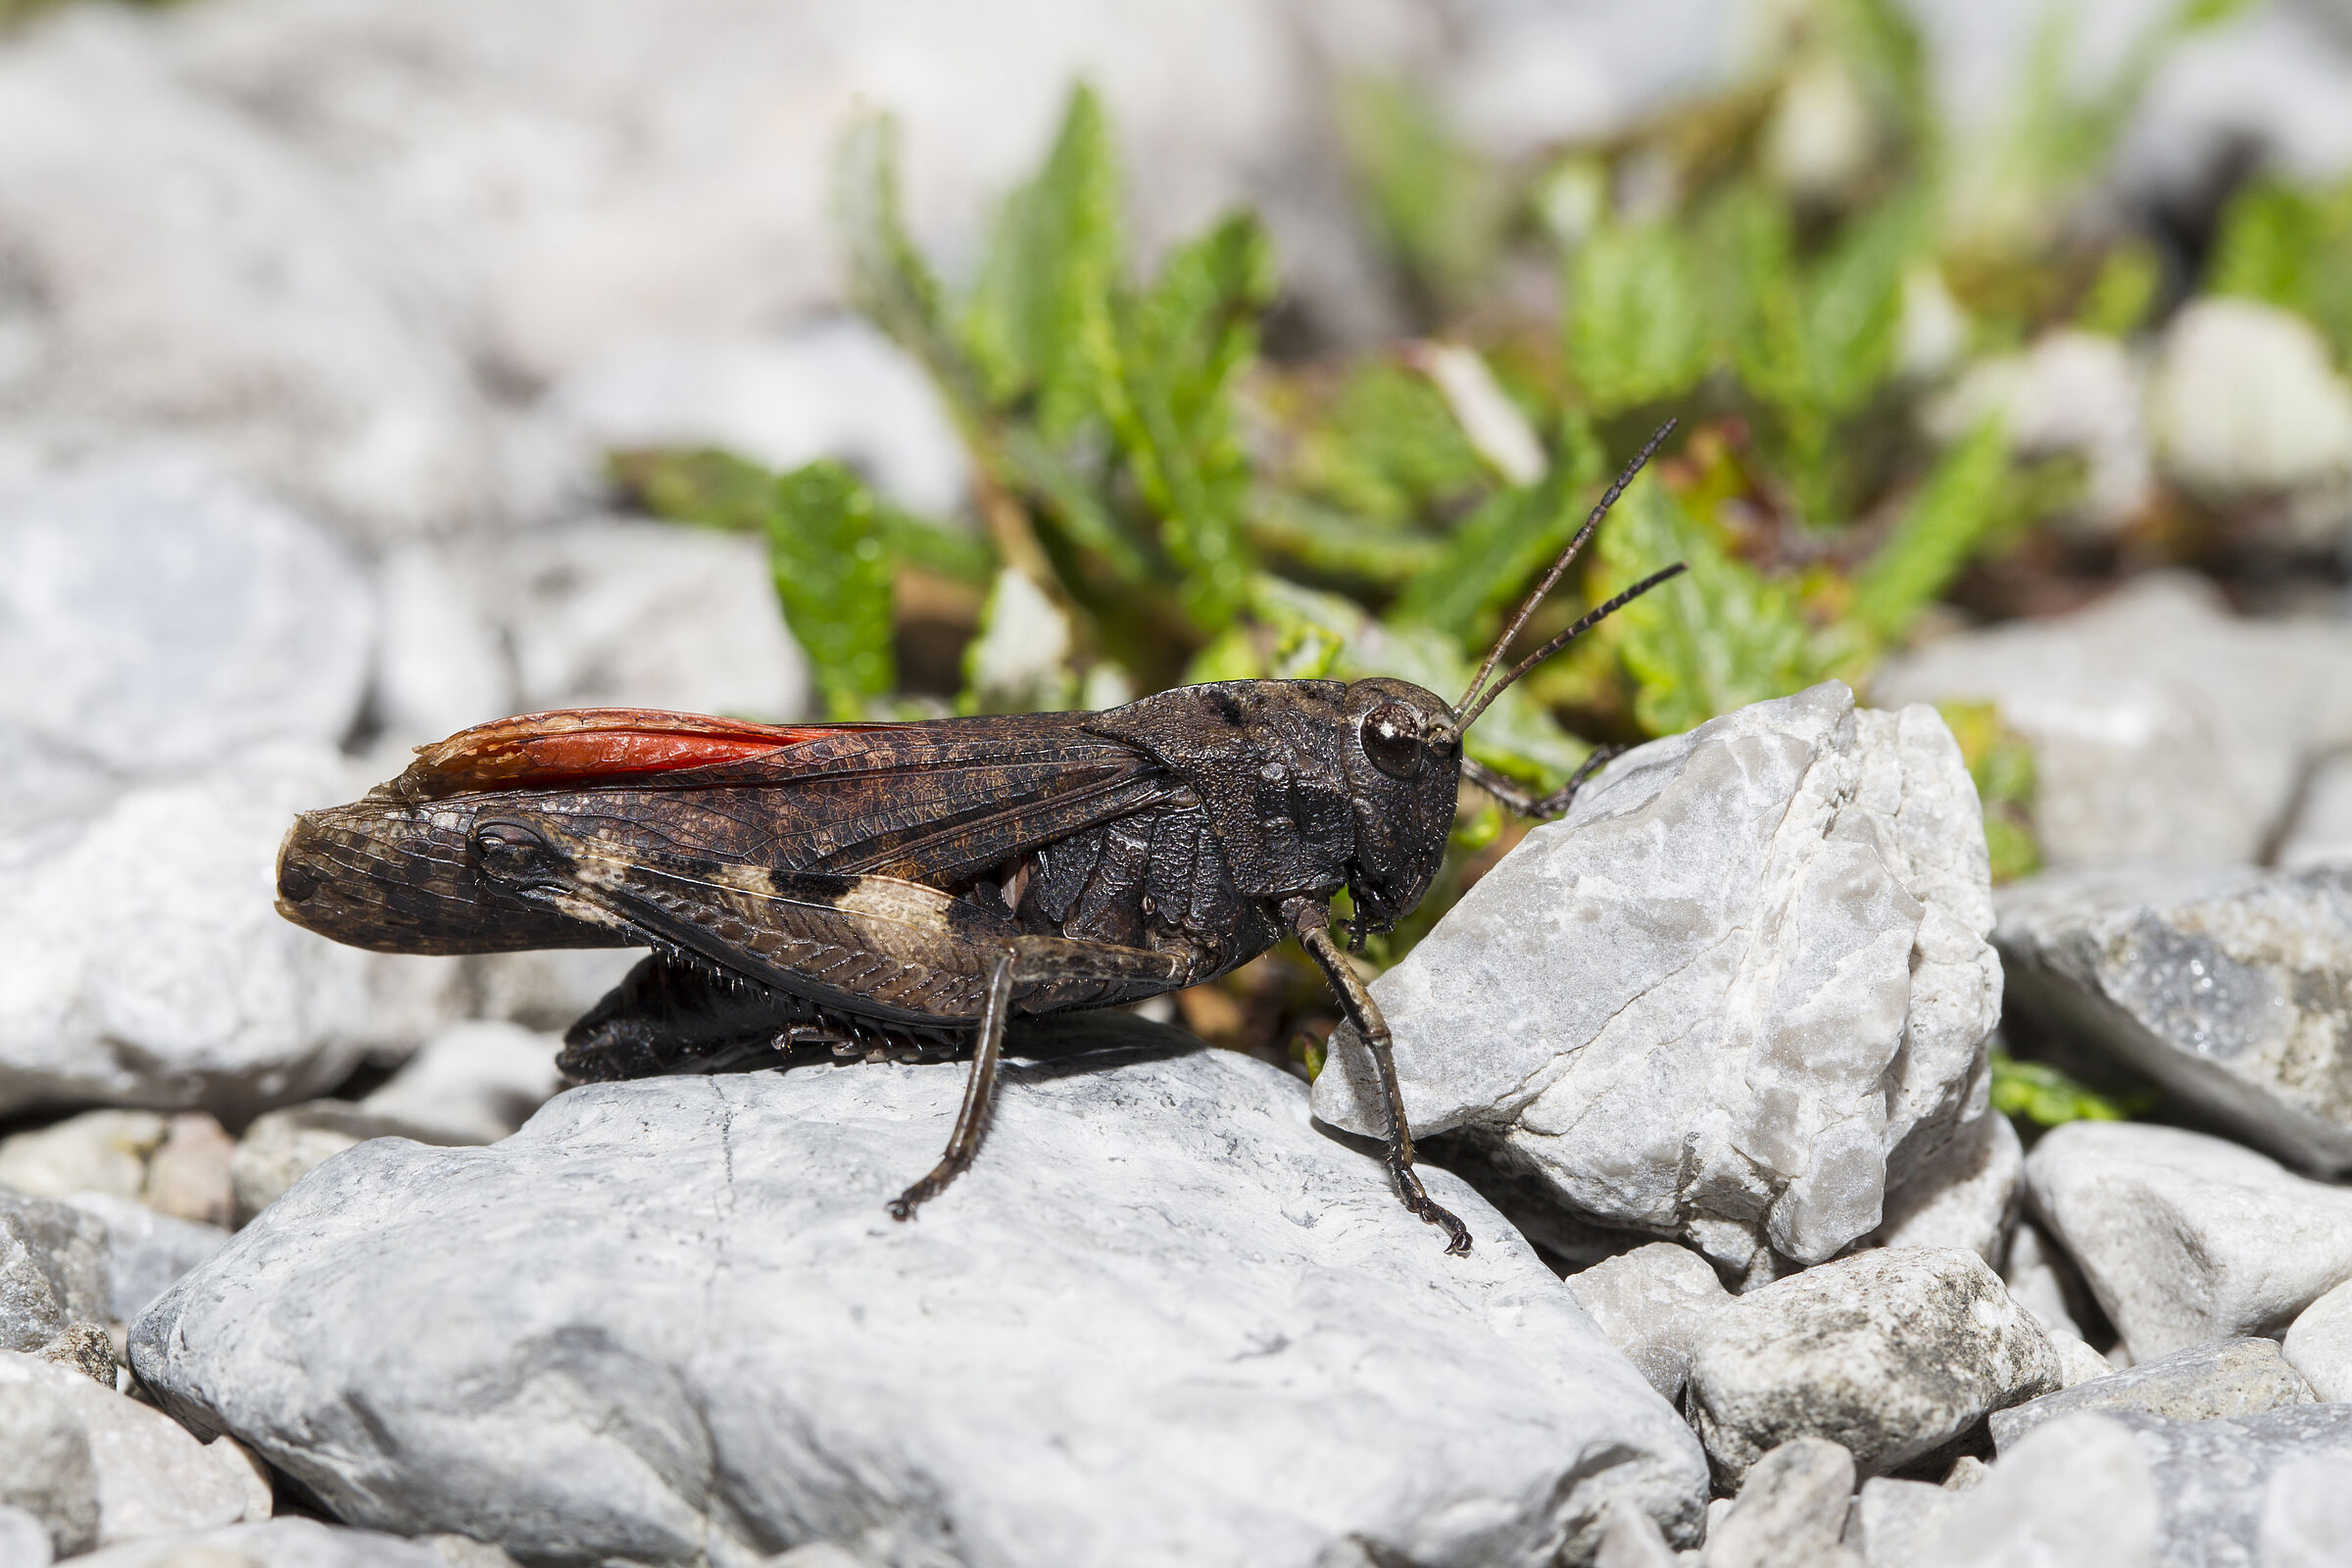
579, 745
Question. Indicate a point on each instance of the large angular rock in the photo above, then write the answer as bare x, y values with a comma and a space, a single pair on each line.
53, 1270
2202, 1382
152, 1476
45, 1467
1792, 1510
1163, 1318
274, 1544
2221, 1482
1652, 1302
1891, 1353
1748, 969
147, 965
174, 620
145, 1250
177, 275
1965, 1193
2162, 727
2319, 1345
2185, 1237
2231, 988
2078, 1494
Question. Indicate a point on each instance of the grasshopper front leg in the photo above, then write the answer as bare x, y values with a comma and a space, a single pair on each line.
1311, 921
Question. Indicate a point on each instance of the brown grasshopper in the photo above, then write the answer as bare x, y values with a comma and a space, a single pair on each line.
900, 888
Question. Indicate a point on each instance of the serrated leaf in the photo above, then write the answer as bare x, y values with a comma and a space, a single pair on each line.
1334, 544
1635, 319
889, 280
1440, 207
2049, 1098
1179, 347
832, 571
703, 486
1039, 322
1507, 541
1957, 507
1715, 638
1388, 448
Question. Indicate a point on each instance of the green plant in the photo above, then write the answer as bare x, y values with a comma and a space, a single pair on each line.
2040, 1093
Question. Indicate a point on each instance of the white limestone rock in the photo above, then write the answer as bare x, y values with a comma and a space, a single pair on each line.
96, 1151
2185, 1238
272, 1543
2078, 1494
2222, 1486
152, 1475
835, 388
1161, 1319
1894, 1520
1963, 1195
1652, 1302
2045, 1280
2305, 1514
1891, 1353
1748, 969
53, 1270
183, 278
648, 614
2163, 728
2073, 393
24, 1539
2201, 1383
2320, 833
148, 965
45, 1468
2319, 1345
174, 620
145, 1250
1790, 1511
2245, 400
473, 1083
2226, 986
442, 663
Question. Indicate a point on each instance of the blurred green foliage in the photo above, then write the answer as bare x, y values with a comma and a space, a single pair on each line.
1188, 509
2291, 248
2001, 764
2040, 1093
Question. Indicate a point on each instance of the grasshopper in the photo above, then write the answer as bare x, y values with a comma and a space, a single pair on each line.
902, 889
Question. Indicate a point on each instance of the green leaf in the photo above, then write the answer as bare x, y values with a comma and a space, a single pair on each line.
1389, 448
1635, 319
1440, 207
2042, 1094
889, 280
1715, 638
832, 571
706, 487
1507, 541
1179, 348
1957, 507
1039, 322
2290, 248
1334, 544
2000, 762
1515, 735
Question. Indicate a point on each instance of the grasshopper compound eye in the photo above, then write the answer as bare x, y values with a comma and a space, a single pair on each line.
1391, 735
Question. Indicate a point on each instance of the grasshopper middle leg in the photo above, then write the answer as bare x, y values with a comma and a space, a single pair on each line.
1312, 924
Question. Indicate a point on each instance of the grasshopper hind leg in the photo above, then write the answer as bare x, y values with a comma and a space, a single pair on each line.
979, 1094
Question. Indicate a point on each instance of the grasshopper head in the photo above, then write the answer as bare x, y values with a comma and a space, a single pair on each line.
1402, 755
403, 877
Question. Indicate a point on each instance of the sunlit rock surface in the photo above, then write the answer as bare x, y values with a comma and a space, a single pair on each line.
2231, 988
669, 1320
1745, 974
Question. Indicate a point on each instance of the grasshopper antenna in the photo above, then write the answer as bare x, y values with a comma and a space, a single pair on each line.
1474, 701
